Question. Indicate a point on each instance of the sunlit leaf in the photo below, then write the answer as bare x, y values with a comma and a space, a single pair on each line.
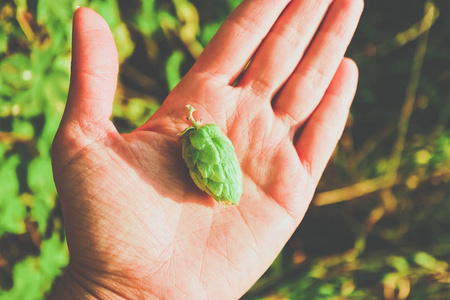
28, 281
208, 31
425, 260
40, 174
54, 256
173, 68
3, 40
147, 19
32, 276
12, 210
109, 10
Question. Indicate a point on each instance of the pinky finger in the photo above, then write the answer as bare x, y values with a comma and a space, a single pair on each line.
325, 126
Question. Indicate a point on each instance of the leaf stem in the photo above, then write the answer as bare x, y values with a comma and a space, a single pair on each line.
191, 117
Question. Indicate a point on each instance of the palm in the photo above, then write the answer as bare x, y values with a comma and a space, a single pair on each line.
167, 217
134, 216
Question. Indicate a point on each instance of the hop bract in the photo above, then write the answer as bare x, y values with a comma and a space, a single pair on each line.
212, 162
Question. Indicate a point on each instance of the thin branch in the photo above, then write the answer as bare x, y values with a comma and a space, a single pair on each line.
388, 180
371, 144
11, 138
353, 191
21, 17
412, 33
411, 90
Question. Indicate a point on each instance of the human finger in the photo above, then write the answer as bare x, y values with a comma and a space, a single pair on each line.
324, 128
94, 70
237, 39
307, 85
284, 46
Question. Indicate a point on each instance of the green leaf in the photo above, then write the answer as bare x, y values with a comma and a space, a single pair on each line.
54, 256
28, 281
147, 19
23, 127
12, 214
3, 40
40, 181
43, 204
173, 68
109, 10
425, 260
8, 176
208, 31
15, 71
12, 210
327, 290
40, 174
33, 276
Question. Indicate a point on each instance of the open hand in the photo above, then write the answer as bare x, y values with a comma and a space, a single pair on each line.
137, 226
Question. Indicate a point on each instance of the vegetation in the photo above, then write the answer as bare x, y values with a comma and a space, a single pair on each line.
378, 227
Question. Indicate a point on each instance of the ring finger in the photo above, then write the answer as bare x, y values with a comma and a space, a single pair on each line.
283, 47
306, 86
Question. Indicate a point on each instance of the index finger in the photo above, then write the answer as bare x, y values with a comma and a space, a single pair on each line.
238, 38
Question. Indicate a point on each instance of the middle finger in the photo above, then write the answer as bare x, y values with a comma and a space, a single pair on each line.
283, 47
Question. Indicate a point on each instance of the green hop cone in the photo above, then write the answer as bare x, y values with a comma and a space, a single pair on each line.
212, 162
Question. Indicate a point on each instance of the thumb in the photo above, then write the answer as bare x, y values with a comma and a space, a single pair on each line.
94, 71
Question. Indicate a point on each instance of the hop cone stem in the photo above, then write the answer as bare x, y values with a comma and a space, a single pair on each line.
191, 117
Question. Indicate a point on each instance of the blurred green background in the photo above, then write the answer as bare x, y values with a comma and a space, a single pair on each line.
379, 225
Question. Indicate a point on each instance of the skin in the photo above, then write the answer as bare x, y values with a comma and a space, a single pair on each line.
137, 226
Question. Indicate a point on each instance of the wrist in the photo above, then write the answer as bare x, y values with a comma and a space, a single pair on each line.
74, 285
69, 288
